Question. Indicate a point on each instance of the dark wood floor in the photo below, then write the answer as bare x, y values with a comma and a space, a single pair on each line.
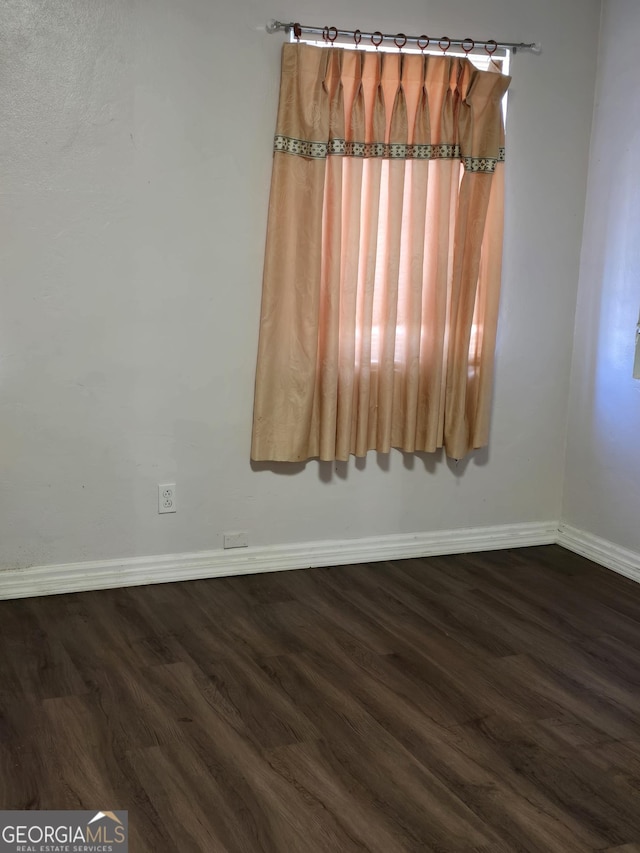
484, 702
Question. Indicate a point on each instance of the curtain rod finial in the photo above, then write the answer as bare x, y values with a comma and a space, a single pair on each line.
273, 26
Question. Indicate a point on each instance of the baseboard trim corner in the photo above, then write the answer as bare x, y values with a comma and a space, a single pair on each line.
602, 551
136, 571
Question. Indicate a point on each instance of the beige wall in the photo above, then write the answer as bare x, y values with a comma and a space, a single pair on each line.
134, 172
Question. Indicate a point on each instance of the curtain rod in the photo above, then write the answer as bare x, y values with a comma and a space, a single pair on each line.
400, 39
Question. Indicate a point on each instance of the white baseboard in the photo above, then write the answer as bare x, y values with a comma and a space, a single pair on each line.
601, 551
104, 574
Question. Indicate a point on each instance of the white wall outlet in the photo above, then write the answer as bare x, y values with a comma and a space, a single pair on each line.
237, 539
167, 497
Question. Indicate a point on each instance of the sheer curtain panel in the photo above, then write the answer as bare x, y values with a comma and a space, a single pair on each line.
383, 256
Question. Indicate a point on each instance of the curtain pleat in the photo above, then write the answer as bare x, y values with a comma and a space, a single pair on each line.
383, 256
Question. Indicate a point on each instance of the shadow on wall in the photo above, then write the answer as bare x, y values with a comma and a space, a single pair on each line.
329, 471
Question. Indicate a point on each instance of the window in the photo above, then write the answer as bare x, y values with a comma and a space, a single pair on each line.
382, 266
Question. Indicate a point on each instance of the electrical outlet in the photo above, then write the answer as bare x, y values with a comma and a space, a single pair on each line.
167, 497
238, 539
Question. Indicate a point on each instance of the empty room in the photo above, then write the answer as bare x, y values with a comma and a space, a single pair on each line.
320, 405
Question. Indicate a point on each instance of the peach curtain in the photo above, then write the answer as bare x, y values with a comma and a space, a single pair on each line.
383, 256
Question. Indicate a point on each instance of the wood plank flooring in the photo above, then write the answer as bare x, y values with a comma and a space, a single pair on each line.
486, 703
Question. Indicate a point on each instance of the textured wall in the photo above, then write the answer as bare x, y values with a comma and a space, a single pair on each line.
135, 160
602, 491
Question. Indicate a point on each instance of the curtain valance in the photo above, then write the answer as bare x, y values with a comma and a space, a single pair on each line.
390, 105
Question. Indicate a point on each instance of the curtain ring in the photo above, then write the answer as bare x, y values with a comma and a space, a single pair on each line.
424, 46
380, 37
335, 36
448, 45
402, 43
495, 47
468, 50
357, 38
325, 33
297, 31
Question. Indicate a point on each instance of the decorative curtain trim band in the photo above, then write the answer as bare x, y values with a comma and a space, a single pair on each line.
385, 150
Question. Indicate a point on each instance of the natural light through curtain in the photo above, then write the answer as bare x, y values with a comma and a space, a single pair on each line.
382, 266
